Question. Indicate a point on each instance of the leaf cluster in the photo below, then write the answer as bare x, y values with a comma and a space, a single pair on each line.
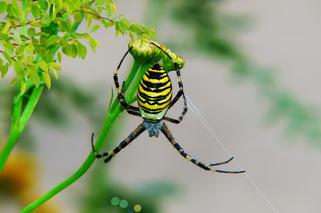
35, 35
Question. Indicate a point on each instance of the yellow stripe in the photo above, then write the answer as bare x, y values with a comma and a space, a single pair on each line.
159, 71
168, 98
159, 102
156, 81
160, 88
153, 94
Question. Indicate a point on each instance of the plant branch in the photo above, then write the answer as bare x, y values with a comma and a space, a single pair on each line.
111, 117
19, 123
96, 15
28, 22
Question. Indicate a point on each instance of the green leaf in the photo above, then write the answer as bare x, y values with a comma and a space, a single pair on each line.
4, 70
54, 73
136, 28
9, 48
35, 10
19, 68
132, 36
62, 25
14, 10
43, 4
82, 50
17, 38
77, 17
55, 66
24, 30
107, 23
8, 57
6, 27
95, 28
25, 6
122, 26
43, 65
52, 12
110, 9
29, 49
46, 79
53, 40
59, 57
58, 4
45, 20
3, 7
100, 2
93, 44
74, 51
33, 75
31, 32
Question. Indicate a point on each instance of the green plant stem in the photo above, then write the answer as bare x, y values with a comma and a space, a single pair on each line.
82, 169
131, 75
19, 123
111, 117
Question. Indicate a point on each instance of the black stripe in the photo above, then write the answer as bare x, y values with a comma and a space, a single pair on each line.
159, 108
150, 111
177, 146
153, 85
157, 67
155, 75
116, 80
154, 102
157, 90
158, 98
203, 166
183, 154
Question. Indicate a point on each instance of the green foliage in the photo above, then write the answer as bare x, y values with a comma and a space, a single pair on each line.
35, 35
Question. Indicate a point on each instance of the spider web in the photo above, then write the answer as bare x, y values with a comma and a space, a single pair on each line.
203, 121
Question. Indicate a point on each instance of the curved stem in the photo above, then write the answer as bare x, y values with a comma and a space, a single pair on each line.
131, 75
113, 113
81, 170
19, 123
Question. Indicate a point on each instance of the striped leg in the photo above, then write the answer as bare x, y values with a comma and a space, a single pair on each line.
176, 98
109, 155
120, 90
171, 139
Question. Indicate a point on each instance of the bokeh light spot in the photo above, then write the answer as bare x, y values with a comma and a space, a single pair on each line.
123, 204
114, 201
137, 208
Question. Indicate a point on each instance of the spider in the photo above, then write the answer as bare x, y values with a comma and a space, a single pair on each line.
154, 97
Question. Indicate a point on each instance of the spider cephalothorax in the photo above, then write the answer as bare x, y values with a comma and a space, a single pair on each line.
153, 127
154, 97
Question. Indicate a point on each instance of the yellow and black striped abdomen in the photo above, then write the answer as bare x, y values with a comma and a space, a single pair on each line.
154, 93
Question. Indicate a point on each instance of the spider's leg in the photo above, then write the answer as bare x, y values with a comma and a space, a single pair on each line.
221, 163
171, 139
176, 98
120, 90
109, 155
172, 120
133, 112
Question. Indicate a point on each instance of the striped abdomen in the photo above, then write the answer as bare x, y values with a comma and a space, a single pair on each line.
154, 93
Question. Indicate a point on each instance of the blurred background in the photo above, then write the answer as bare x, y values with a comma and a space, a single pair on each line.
252, 70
